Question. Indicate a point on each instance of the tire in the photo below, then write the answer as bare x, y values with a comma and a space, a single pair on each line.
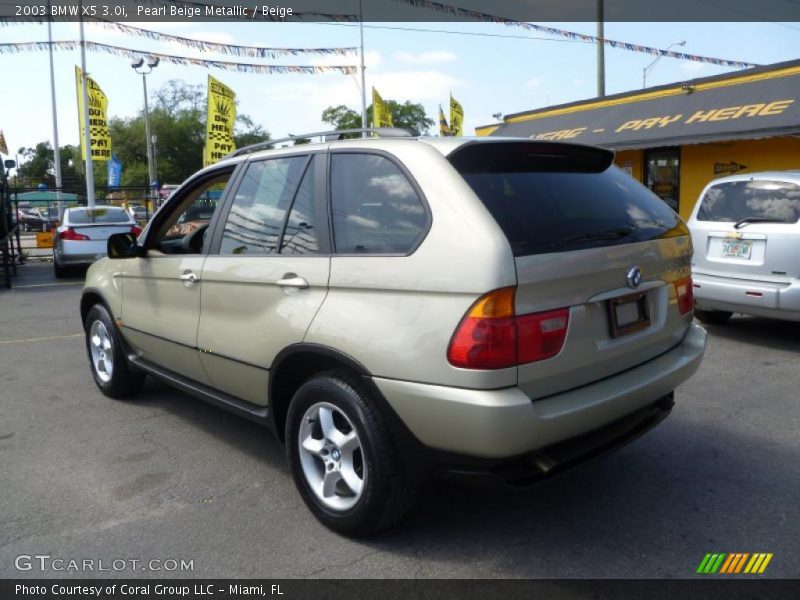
59, 271
115, 378
713, 317
370, 490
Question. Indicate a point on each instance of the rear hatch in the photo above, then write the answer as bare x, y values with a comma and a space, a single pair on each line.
99, 223
748, 229
588, 238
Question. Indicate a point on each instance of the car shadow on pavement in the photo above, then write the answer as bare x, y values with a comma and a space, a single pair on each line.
769, 333
230, 429
651, 510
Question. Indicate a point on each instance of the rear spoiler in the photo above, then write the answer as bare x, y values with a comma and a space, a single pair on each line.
524, 156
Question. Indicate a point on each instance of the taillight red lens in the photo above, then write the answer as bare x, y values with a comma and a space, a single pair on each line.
685, 293
71, 235
541, 335
491, 336
135, 230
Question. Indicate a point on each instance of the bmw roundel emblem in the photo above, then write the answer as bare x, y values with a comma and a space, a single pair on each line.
634, 277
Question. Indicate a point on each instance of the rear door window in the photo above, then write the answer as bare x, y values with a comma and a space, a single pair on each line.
375, 208
733, 201
554, 198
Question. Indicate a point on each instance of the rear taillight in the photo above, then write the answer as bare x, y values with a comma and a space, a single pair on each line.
685, 294
135, 230
492, 336
70, 234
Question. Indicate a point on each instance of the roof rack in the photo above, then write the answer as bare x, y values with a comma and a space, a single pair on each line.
327, 136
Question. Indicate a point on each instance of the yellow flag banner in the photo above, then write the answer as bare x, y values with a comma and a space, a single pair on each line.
99, 136
456, 117
220, 121
3, 146
444, 128
381, 115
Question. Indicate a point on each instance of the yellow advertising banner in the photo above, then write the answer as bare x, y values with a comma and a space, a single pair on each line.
456, 117
381, 114
220, 122
100, 138
444, 128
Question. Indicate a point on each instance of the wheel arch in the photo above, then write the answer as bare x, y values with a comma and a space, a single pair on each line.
89, 298
295, 365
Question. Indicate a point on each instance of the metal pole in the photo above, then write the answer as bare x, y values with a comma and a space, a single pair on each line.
86, 137
151, 171
56, 147
601, 47
363, 82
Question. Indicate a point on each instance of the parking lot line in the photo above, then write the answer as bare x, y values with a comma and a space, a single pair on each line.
41, 339
33, 285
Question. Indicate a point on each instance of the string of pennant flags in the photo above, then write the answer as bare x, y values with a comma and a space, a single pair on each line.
456, 11
448, 9
207, 46
232, 49
14, 48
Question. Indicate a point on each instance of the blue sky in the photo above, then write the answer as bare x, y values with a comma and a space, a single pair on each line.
488, 74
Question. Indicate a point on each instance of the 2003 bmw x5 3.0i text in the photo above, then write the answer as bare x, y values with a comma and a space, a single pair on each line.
395, 308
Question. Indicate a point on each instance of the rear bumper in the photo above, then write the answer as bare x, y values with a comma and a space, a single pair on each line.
76, 259
505, 423
760, 298
79, 252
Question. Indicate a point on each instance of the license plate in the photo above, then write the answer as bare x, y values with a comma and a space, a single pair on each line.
628, 314
737, 249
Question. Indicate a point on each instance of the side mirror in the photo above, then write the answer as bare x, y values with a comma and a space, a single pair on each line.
9, 163
122, 245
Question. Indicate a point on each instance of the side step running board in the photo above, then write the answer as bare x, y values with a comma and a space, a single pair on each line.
248, 410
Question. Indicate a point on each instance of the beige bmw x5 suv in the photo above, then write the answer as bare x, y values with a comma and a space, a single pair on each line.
395, 308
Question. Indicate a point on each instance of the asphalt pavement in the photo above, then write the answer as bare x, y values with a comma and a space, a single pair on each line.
164, 477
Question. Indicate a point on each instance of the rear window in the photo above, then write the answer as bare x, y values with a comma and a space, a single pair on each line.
557, 197
733, 201
88, 216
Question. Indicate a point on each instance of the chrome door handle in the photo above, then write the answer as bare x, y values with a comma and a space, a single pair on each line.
189, 278
293, 282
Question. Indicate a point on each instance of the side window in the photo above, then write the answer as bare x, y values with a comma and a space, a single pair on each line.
300, 236
375, 208
184, 230
259, 207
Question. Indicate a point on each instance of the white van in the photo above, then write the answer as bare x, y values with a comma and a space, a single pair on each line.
746, 241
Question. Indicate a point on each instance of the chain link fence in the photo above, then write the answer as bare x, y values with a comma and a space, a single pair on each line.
37, 213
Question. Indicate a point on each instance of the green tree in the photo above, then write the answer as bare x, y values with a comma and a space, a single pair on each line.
39, 167
405, 116
178, 120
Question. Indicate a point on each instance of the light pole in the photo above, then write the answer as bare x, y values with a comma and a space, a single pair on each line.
139, 66
649, 67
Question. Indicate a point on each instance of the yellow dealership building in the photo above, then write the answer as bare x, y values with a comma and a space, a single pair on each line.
676, 138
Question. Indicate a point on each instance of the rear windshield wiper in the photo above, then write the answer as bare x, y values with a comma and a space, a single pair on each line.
608, 234
745, 221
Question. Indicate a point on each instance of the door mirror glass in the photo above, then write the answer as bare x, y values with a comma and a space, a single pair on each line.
122, 245
9, 163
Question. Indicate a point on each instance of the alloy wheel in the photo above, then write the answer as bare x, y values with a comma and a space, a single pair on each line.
331, 456
102, 351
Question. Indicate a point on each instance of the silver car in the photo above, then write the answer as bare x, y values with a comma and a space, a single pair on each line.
746, 236
83, 235
399, 308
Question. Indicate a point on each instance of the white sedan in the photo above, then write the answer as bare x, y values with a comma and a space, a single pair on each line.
82, 237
